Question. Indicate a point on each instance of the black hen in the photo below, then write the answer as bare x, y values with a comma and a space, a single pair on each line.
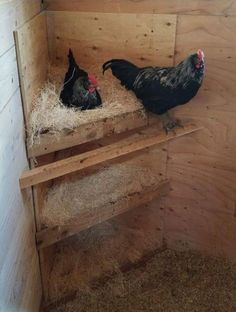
79, 88
161, 88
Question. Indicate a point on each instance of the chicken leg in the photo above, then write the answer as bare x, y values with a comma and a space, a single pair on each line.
169, 123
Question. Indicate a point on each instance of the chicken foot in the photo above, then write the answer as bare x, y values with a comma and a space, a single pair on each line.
169, 123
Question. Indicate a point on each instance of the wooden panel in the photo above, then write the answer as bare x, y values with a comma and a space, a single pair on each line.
9, 82
7, 25
26, 10
86, 219
89, 132
148, 137
143, 38
32, 54
201, 207
20, 287
16, 222
118, 242
214, 7
14, 13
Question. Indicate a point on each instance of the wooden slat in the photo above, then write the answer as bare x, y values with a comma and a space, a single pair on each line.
89, 132
136, 142
87, 219
216, 7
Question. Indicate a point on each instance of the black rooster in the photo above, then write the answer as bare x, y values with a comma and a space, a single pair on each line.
79, 88
161, 88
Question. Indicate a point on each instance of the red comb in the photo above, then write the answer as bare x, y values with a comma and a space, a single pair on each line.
92, 79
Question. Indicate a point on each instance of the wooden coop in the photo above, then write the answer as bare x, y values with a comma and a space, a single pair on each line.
111, 189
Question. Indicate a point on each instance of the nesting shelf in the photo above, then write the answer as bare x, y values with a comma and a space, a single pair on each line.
90, 204
52, 127
88, 132
77, 216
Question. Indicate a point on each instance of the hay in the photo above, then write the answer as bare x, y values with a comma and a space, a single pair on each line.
169, 282
50, 116
66, 199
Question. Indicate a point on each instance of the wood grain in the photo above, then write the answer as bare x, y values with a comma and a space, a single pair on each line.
86, 219
17, 221
14, 13
32, 55
116, 242
9, 81
89, 132
200, 211
20, 286
143, 38
143, 139
213, 7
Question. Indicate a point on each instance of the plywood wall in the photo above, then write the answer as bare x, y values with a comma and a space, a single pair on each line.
20, 288
33, 62
97, 37
200, 211
194, 7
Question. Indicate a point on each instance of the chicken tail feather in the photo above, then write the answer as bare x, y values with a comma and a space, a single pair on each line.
123, 70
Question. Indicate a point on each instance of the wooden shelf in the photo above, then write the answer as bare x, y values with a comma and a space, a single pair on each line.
148, 137
88, 132
87, 219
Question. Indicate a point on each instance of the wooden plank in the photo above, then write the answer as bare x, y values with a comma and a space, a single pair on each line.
89, 132
20, 288
9, 81
216, 7
16, 221
87, 219
143, 38
32, 55
26, 10
14, 13
136, 142
7, 25
129, 235
200, 210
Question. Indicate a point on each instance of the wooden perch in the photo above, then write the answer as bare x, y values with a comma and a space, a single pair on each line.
87, 219
148, 137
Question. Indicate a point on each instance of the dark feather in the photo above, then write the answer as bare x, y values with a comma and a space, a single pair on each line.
160, 88
75, 89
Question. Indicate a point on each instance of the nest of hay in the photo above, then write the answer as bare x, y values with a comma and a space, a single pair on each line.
69, 197
49, 115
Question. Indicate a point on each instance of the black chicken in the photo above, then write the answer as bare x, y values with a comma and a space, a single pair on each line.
79, 88
161, 88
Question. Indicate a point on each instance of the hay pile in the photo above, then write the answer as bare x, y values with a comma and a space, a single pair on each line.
66, 199
168, 282
50, 116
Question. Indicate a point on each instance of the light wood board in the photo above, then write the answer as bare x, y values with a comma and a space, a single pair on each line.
203, 7
200, 211
20, 285
143, 139
87, 219
142, 38
32, 55
88, 132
